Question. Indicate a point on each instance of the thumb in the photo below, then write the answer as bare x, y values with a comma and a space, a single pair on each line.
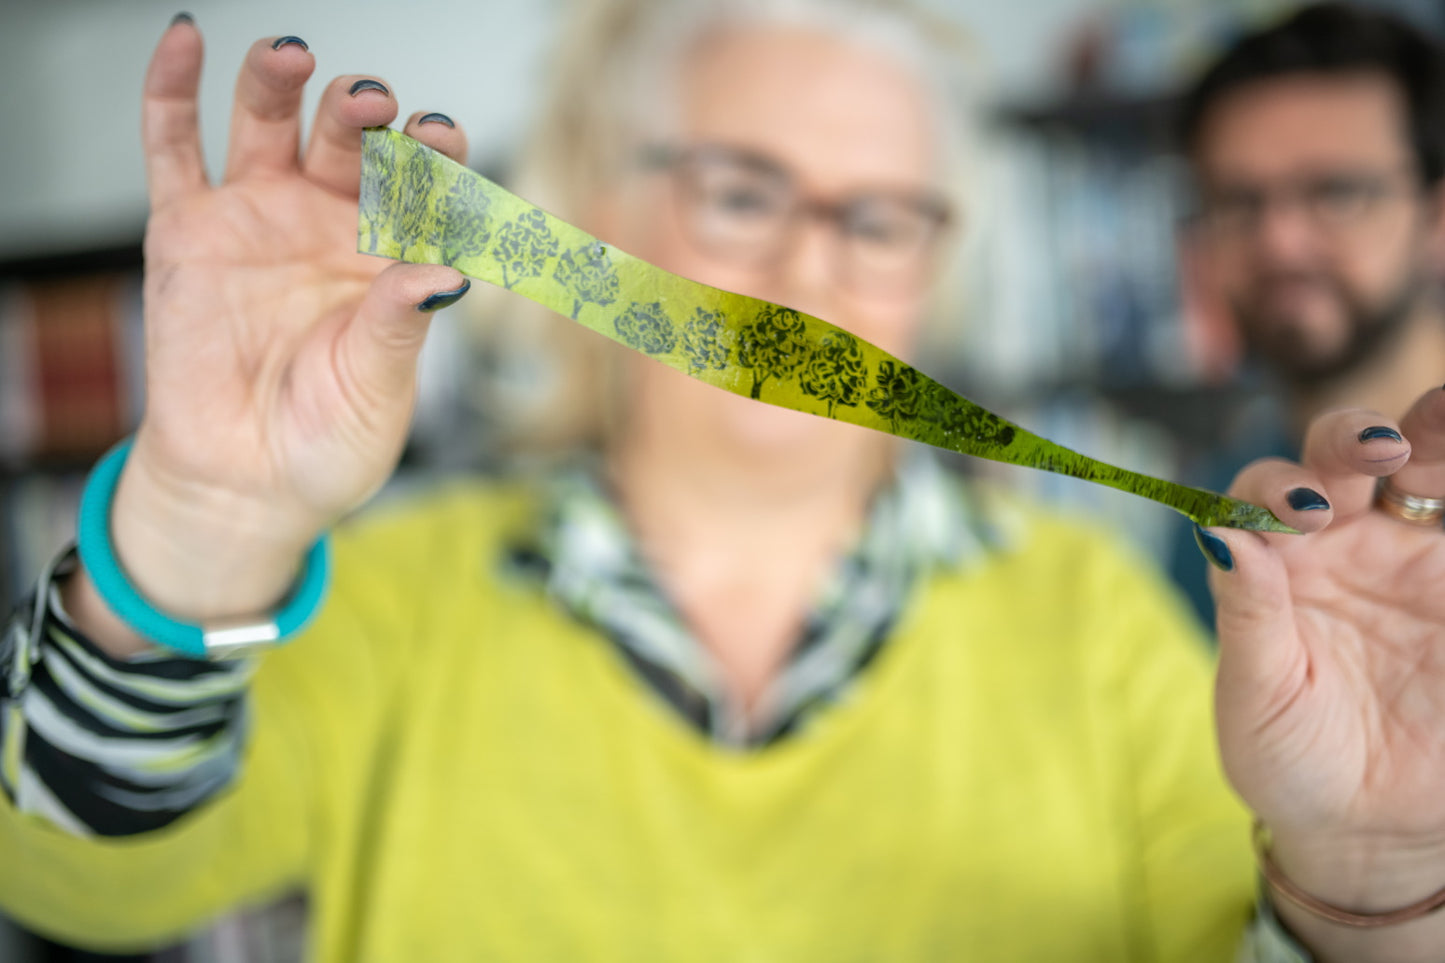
383, 340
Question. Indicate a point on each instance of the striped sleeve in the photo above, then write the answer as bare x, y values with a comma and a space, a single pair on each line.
109, 747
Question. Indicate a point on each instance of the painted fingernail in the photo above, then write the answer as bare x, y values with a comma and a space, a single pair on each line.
283, 41
361, 85
1379, 431
1307, 500
1214, 549
444, 299
182, 17
435, 118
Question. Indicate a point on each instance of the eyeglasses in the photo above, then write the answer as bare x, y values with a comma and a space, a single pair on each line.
745, 208
1332, 201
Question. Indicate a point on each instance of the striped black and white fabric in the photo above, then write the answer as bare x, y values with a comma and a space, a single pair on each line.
108, 747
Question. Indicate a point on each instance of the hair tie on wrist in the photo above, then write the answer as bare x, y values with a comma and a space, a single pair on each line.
1282, 885
219, 639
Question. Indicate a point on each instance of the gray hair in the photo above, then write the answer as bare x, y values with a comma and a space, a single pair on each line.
611, 92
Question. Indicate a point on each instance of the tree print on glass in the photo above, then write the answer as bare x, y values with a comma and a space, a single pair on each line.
960, 418
378, 165
772, 345
588, 274
707, 341
466, 221
523, 248
647, 328
417, 224
896, 395
835, 373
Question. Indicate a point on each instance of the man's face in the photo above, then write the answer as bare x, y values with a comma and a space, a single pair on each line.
1314, 219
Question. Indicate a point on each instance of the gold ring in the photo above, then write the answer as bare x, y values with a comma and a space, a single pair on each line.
1415, 509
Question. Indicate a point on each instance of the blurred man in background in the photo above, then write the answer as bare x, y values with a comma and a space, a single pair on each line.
1318, 150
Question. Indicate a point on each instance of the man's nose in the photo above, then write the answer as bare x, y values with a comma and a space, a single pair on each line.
1285, 233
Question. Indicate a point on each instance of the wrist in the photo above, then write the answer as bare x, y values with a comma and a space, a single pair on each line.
200, 552
1367, 873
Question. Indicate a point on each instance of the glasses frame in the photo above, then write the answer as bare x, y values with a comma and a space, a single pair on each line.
681, 163
1379, 187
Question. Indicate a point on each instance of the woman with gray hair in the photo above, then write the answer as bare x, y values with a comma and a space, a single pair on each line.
744, 684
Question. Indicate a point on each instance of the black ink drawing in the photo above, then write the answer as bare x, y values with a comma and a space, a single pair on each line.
587, 272
417, 224
523, 247
647, 328
772, 345
466, 220
379, 180
834, 374
896, 396
707, 341
957, 416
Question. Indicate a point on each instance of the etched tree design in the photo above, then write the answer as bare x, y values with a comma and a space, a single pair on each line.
772, 345
707, 341
379, 170
647, 327
466, 220
523, 248
588, 273
897, 394
416, 222
959, 417
834, 374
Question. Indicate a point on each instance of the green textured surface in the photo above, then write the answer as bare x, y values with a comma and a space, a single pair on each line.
419, 206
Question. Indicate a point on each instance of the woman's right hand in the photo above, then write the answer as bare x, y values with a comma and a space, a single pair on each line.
280, 363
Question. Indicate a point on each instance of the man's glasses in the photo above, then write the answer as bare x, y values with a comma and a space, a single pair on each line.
745, 208
1332, 201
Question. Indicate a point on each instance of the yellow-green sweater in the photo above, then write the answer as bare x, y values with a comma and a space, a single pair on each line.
457, 771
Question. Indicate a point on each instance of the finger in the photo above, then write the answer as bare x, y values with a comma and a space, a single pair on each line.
266, 118
1348, 450
439, 132
1424, 427
1248, 579
333, 158
379, 348
1253, 609
169, 131
1293, 492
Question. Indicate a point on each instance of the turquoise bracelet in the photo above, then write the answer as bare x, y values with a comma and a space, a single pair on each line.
199, 641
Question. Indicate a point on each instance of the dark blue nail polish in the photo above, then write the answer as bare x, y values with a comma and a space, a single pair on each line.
182, 17
280, 42
1380, 431
435, 118
1307, 500
1214, 549
444, 299
361, 85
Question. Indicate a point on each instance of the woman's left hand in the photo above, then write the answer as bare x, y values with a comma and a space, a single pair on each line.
1331, 687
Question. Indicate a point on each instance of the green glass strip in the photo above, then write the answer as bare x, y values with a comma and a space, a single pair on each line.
419, 206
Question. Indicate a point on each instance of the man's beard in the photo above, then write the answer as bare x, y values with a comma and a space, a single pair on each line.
1372, 329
